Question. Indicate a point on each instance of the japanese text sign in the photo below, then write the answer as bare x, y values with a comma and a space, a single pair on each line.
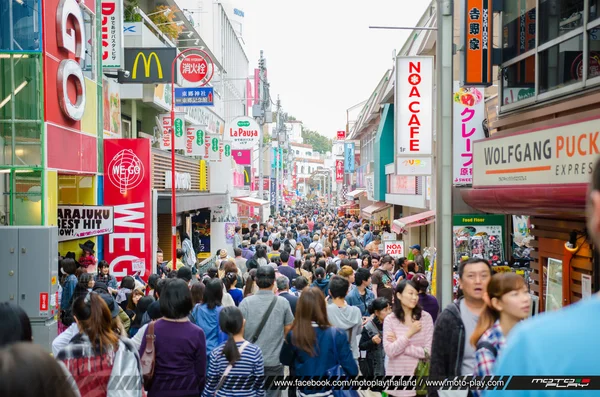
339, 170
194, 142
469, 113
165, 129
414, 110
478, 43
349, 157
243, 133
199, 96
341, 135
75, 222
112, 34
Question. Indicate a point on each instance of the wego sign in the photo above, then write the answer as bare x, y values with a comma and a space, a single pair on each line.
73, 41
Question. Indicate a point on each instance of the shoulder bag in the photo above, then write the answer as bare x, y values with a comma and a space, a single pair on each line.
337, 371
229, 367
264, 320
148, 359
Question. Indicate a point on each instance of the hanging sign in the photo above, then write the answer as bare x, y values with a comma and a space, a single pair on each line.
477, 61
243, 132
341, 135
112, 34
194, 143
469, 113
414, 94
197, 67
75, 222
395, 249
339, 170
180, 133
215, 148
349, 157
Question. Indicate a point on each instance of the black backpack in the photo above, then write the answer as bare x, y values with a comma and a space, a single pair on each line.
487, 345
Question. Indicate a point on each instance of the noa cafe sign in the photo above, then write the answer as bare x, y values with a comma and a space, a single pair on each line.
395, 249
243, 133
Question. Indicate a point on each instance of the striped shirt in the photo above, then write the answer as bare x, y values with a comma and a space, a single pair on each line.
404, 354
246, 378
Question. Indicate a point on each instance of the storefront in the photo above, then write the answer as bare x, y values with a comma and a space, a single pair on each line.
250, 210
379, 214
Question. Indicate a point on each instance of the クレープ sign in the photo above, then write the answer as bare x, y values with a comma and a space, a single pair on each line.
75, 222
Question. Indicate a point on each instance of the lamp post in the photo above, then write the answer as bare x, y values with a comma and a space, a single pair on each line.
173, 189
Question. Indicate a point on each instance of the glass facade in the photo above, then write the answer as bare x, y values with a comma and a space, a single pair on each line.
549, 48
20, 29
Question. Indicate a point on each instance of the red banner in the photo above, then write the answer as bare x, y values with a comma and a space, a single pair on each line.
339, 170
127, 187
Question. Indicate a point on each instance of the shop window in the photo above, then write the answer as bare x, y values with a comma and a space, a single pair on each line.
26, 138
559, 17
594, 9
518, 81
20, 23
518, 28
76, 189
561, 64
19, 87
21, 197
594, 57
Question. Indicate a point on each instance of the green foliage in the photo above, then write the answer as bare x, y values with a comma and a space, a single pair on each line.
130, 15
166, 22
319, 142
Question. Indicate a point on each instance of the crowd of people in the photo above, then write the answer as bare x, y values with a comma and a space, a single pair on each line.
309, 293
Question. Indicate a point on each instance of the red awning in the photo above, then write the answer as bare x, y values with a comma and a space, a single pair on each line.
550, 200
424, 218
250, 201
374, 208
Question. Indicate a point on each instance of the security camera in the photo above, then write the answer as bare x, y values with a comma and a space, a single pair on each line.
126, 74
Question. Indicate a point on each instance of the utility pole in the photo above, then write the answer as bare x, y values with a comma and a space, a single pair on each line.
261, 93
443, 175
279, 160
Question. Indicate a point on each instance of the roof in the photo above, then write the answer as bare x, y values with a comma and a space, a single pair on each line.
371, 108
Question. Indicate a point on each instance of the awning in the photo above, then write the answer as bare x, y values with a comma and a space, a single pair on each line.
356, 193
424, 218
189, 201
374, 208
251, 201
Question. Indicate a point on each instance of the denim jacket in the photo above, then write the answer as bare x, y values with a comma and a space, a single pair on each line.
354, 298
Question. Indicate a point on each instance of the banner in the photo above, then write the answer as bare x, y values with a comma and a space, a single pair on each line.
230, 232
349, 157
478, 35
112, 34
128, 188
339, 170
194, 143
215, 148
469, 113
273, 191
79, 221
395, 249
180, 133
111, 108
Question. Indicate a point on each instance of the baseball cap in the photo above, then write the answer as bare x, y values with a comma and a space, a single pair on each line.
416, 246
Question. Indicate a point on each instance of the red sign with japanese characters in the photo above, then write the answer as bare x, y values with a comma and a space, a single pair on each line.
43, 301
341, 135
468, 116
197, 67
127, 187
478, 43
339, 170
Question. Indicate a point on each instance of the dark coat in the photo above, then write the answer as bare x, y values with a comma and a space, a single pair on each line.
293, 299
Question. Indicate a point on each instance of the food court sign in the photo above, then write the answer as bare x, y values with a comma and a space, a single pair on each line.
564, 154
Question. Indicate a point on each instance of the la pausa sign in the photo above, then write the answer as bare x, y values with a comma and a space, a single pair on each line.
242, 132
564, 154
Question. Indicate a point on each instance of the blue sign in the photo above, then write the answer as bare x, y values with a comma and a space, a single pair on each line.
199, 96
237, 12
348, 158
273, 191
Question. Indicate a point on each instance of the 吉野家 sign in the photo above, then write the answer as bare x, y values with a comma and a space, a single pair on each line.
243, 132
148, 65
469, 113
198, 96
414, 94
395, 249
112, 34
477, 63
78, 221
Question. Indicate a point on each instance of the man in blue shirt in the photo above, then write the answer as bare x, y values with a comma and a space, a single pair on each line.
368, 236
560, 343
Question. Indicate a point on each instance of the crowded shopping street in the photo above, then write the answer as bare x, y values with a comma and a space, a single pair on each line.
334, 198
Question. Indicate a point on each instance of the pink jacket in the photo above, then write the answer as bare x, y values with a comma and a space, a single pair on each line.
404, 354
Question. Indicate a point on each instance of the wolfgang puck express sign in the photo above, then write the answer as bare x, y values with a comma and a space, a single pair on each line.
564, 154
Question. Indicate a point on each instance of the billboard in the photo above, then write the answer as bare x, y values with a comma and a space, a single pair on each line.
149, 65
112, 34
477, 43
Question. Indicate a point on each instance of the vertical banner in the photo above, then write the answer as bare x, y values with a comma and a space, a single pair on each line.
127, 187
469, 113
339, 170
215, 148
478, 43
349, 157
414, 115
273, 191
194, 144
165, 128
112, 34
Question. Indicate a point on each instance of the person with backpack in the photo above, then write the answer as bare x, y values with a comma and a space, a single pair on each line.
342, 315
189, 256
371, 339
509, 303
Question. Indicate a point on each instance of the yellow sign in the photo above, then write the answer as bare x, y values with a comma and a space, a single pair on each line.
53, 280
146, 65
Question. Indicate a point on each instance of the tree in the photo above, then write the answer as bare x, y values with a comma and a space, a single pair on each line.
319, 142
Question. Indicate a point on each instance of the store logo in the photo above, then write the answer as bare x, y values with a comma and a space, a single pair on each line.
126, 171
562, 383
147, 65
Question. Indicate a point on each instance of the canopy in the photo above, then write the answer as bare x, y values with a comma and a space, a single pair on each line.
251, 201
356, 193
424, 218
374, 208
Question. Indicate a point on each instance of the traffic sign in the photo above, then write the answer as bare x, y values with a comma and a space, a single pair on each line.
199, 96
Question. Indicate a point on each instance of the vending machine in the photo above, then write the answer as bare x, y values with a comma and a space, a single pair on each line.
29, 276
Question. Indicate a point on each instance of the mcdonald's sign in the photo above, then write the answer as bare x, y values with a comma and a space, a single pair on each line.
148, 65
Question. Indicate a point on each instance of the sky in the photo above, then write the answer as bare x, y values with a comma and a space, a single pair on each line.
322, 58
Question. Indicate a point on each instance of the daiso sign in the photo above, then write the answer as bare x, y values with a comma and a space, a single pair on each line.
127, 187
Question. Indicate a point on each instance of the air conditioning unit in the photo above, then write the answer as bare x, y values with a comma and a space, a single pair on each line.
126, 128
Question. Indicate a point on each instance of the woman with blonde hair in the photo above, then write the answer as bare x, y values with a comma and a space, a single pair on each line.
507, 303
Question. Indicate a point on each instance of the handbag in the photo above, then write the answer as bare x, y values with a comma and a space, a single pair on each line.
422, 371
228, 369
264, 320
148, 359
337, 371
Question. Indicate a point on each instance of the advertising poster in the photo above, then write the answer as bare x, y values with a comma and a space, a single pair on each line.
522, 237
78, 221
229, 231
111, 108
128, 188
478, 236
554, 293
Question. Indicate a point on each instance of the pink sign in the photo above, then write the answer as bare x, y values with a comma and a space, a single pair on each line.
242, 157
401, 184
